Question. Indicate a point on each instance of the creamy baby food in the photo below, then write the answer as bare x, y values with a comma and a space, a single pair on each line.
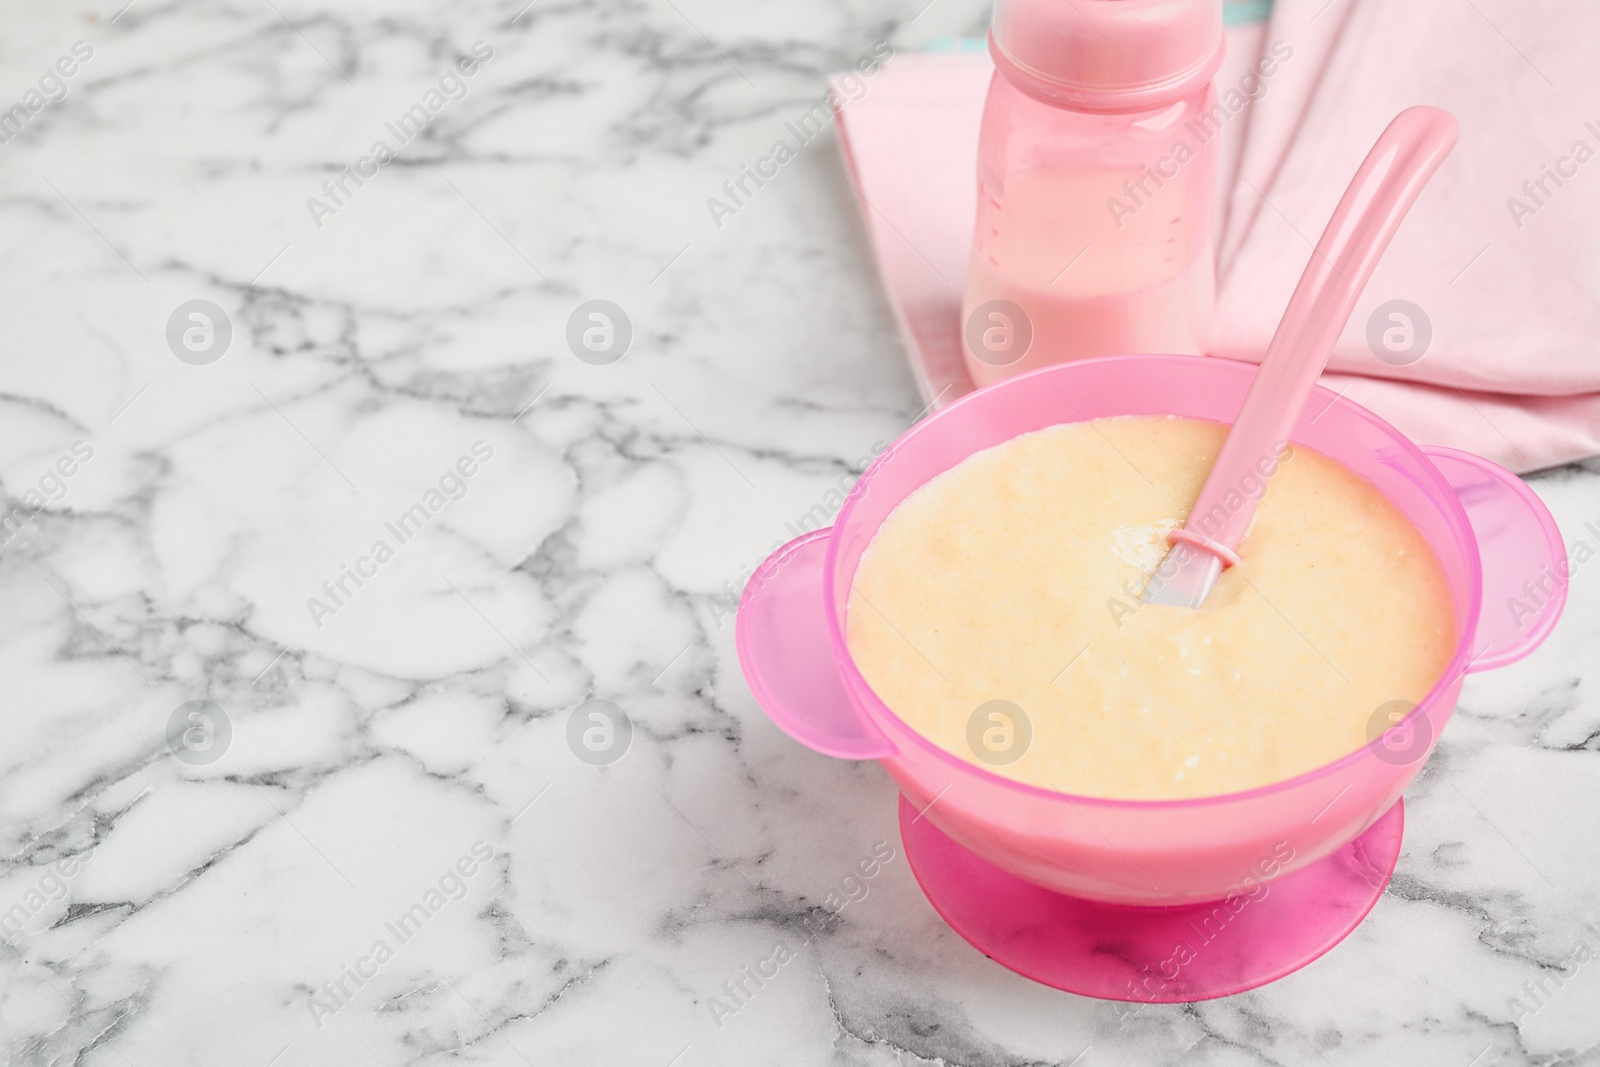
997, 612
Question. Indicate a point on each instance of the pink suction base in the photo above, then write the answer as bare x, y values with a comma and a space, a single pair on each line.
1163, 955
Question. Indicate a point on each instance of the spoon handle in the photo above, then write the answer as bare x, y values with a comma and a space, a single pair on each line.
1383, 190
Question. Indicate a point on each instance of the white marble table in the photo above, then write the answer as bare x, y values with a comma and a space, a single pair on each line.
378, 847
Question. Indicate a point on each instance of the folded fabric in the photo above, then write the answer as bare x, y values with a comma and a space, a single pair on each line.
1499, 261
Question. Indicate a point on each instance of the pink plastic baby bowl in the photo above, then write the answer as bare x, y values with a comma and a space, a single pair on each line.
1154, 901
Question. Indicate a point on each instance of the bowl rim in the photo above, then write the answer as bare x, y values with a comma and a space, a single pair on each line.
1458, 667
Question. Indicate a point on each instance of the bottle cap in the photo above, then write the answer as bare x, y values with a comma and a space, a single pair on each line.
1107, 55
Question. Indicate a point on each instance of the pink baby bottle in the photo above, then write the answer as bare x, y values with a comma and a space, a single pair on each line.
1096, 163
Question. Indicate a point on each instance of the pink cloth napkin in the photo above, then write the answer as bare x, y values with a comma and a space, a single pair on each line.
1512, 294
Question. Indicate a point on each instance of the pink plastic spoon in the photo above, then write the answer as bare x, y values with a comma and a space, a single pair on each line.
1379, 196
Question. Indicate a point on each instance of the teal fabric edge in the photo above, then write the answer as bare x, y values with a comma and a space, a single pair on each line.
1239, 12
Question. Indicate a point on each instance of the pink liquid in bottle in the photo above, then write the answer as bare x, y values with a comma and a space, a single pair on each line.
1096, 164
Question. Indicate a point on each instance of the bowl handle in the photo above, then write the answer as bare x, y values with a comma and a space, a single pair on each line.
1525, 567
786, 651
